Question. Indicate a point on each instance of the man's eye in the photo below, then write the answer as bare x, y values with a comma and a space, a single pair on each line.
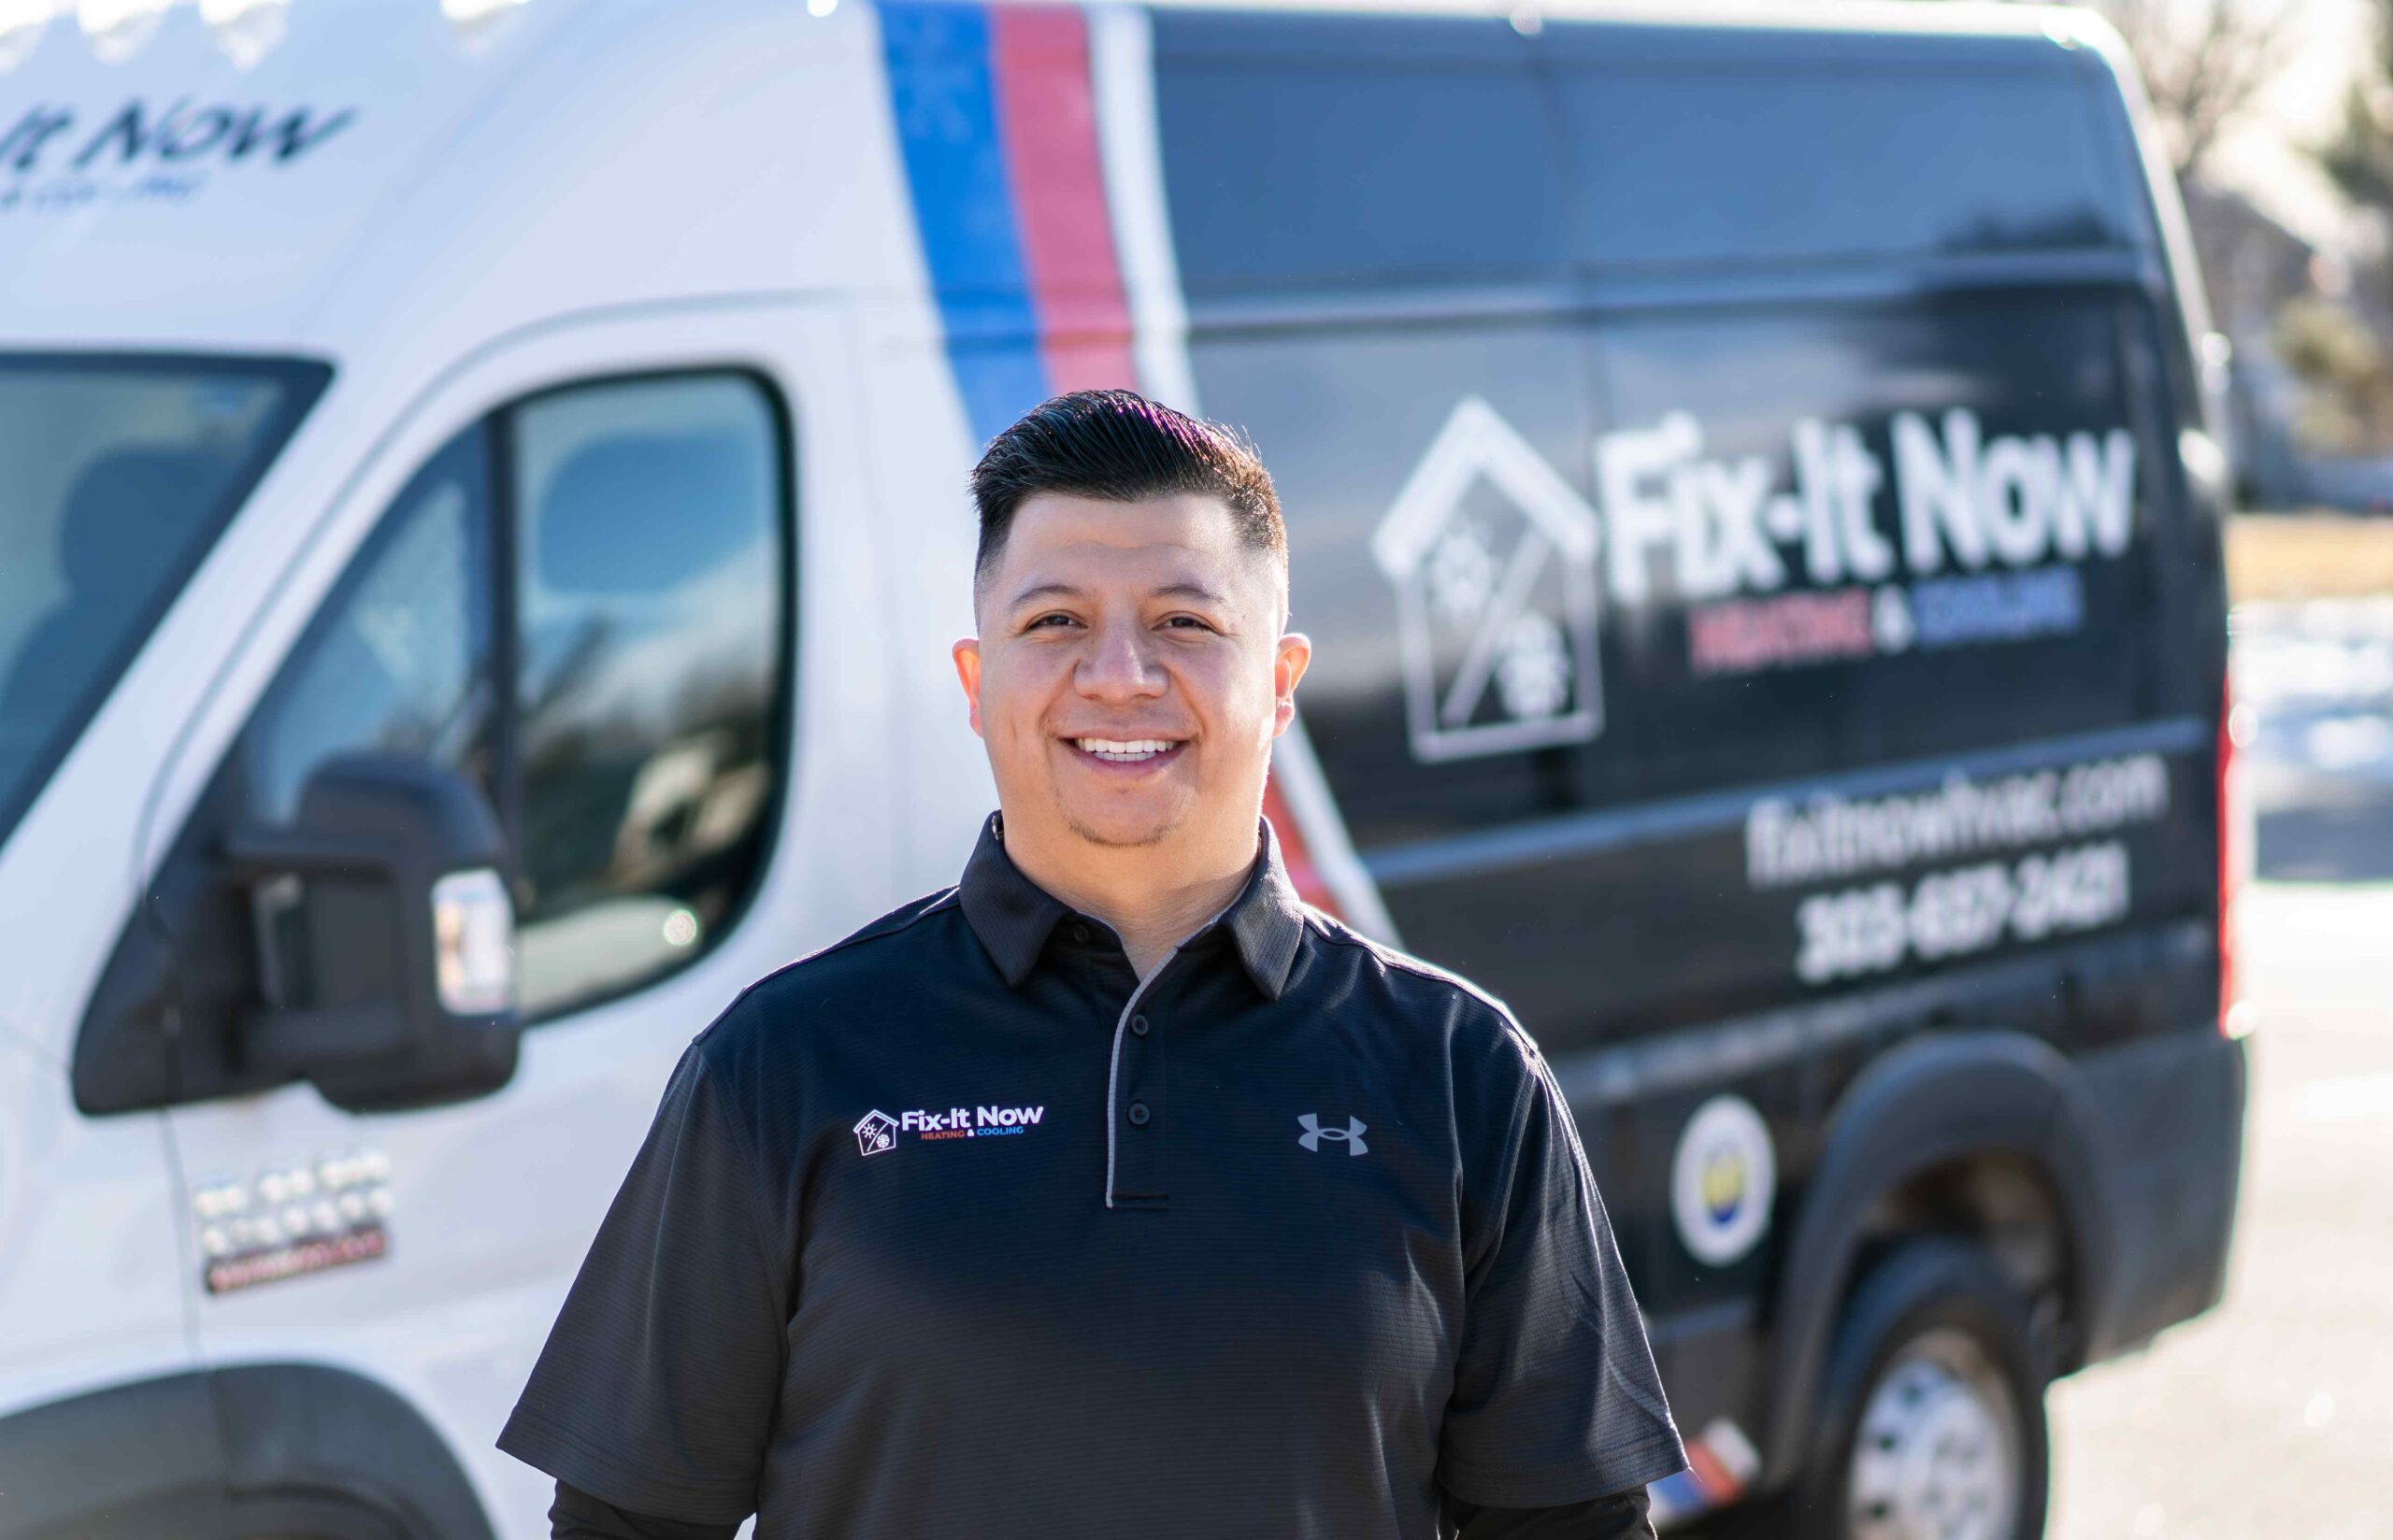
1050, 620
1188, 623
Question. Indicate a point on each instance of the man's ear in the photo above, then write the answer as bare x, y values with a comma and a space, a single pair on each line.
966, 654
1288, 665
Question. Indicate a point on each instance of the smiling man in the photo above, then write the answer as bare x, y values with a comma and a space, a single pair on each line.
1112, 1191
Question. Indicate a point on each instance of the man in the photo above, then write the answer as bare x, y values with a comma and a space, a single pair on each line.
1112, 1193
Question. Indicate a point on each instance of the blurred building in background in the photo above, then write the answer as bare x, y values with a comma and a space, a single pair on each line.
2307, 304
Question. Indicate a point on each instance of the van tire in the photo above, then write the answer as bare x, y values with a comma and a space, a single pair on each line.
1931, 1405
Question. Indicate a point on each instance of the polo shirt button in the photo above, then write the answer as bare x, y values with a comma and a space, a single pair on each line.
1139, 1026
1138, 1114
1080, 933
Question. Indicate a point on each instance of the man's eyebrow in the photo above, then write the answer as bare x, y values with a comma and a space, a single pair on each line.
1186, 589
1045, 590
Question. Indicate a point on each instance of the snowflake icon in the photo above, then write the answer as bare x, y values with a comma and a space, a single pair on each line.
1461, 576
1533, 678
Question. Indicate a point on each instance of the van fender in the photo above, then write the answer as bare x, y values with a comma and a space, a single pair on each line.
186, 1453
1930, 1102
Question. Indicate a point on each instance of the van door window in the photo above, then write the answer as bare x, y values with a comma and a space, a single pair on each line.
399, 662
580, 603
650, 558
116, 475
643, 533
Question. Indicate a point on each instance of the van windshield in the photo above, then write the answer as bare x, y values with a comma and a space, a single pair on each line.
117, 472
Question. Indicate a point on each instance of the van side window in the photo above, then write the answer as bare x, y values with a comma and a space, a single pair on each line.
121, 472
1416, 115
650, 553
1917, 153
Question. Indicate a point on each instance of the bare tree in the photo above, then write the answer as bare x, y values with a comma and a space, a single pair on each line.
2204, 60
2360, 157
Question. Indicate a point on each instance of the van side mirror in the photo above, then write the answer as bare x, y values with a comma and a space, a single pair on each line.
385, 936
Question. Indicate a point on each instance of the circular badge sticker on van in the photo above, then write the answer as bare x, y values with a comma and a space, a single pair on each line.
1723, 1180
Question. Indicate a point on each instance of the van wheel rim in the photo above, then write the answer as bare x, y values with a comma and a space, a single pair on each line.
1937, 1456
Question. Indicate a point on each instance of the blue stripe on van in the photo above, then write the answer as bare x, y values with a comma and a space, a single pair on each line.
943, 95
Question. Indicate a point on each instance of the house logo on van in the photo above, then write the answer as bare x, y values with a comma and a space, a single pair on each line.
1493, 558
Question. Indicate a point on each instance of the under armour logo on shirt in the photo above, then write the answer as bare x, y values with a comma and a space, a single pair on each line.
1313, 1133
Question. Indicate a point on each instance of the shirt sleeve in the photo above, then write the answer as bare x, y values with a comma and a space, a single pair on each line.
1623, 1516
1554, 1398
657, 1388
578, 1515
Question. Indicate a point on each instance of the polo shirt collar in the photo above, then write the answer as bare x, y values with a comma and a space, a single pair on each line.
1013, 916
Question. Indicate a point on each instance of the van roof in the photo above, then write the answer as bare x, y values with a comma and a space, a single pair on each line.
1952, 19
379, 179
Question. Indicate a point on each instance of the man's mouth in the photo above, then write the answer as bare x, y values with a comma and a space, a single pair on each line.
1126, 750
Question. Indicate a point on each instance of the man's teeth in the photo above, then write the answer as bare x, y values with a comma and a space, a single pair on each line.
1124, 748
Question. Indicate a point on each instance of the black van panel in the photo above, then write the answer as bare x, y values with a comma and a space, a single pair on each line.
1688, 766
1763, 625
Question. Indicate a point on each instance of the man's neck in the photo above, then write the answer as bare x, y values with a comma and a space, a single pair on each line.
1153, 899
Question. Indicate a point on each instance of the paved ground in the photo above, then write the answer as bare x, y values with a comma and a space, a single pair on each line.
2272, 1417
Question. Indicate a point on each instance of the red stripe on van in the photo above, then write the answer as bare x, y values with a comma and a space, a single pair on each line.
1292, 852
1047, 112
1719, 1484
1047, 117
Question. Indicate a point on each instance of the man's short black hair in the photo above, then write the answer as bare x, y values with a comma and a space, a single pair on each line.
1118, 447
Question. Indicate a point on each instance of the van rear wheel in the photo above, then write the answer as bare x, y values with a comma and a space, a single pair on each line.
1932, 1407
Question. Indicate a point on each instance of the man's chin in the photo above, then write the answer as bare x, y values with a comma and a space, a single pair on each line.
1122, 829
1120, 832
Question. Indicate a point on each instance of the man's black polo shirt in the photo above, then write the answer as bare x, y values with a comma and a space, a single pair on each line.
956, 1229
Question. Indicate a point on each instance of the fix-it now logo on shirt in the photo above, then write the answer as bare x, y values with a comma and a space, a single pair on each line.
877, 1132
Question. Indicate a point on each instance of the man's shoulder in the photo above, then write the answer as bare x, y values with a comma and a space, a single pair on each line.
869, 958
1424, 992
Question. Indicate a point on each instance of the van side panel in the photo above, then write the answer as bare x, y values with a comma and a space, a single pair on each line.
90, 1281
1828, 624
1745, 639
1778, 825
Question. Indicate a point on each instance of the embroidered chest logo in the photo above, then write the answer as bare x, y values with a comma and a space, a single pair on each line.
1313, 1133
878, 1132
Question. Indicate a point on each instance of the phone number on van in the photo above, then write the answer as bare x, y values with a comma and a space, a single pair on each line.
1952, 913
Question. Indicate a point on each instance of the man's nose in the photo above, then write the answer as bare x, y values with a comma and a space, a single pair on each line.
1119, 666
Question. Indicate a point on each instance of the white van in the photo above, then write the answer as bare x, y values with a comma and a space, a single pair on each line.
482, 513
